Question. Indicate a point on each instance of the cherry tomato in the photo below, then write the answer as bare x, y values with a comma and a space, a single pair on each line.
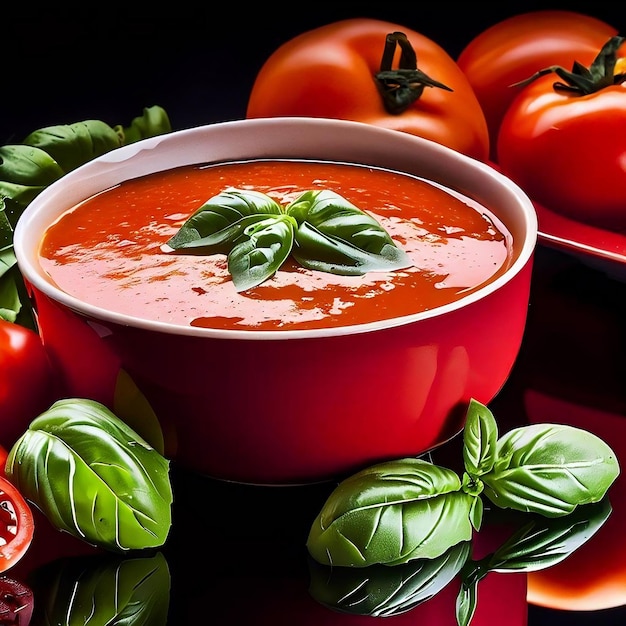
563, 140
515, 48
26, 384
341, 70
16, 525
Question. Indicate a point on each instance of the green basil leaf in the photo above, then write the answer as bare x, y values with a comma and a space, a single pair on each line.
381, 591
154, 121
263, 249
543, 541
480, 436
220, 221
550, 469
72, 145
466, 600
391, 513
95, 590
93, 476
335, 236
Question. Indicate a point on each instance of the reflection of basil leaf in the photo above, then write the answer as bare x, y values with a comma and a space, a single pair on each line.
262, 250
220, 221
96, 590
391, 513
550, 469
381, 591
538, 543
337, 237
542, 542
93, 476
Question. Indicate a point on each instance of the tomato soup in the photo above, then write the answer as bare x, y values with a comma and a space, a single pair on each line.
108, 251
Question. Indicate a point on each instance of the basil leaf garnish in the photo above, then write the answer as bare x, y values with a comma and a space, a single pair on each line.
337, 237
391, 513
381, 591
93, 476
219, 222
263, 248
550, 469
103, 589
320, 229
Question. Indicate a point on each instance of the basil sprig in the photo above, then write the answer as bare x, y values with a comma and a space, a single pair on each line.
541, 468
405, 509
320, 229
93, 476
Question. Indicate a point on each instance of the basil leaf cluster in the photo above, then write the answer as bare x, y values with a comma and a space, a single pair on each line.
93, 476
44, 156
406, 509
320, 229
541, 468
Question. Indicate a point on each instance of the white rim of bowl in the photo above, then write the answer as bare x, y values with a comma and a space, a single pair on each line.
26, 240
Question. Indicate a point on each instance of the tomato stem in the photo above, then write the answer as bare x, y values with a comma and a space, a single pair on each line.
581, 80
401, 87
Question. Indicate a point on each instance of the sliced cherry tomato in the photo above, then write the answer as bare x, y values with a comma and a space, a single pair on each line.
16, 525
515, 48
563, 139
363, 70
26, 384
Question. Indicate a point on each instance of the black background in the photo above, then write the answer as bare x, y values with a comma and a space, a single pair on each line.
199, 64
108, 61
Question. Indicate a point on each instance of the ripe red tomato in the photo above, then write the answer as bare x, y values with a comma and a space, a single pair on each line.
564, 141
515, 48
16, 525
331, 72
26, 384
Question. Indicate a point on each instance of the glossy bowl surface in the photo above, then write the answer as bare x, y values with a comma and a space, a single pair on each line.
286, 407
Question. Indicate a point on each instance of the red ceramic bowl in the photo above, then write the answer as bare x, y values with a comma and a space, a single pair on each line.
320, 403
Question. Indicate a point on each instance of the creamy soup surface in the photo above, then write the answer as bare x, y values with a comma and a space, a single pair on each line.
108, 250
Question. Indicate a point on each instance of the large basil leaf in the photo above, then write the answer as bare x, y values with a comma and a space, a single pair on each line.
72, 145
263, 249
381, 591
221, 220
337, 237
93, 476
99, 590
550, 469
391, 513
